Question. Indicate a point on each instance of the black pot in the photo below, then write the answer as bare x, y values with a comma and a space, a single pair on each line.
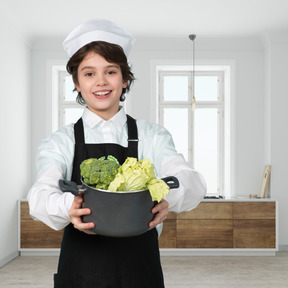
117, 214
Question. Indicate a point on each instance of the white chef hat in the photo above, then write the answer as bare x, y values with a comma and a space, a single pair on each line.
98, 30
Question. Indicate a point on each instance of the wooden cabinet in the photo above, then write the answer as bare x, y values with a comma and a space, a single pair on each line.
35, 234
210, 225
254, 225
223, 224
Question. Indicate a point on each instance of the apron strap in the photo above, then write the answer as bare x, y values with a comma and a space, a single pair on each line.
81, 154
132, 137
79, 132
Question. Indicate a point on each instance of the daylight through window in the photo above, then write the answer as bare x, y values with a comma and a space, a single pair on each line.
198, 134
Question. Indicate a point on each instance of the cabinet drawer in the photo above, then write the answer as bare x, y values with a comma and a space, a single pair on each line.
204, 233
254, 210
209, 210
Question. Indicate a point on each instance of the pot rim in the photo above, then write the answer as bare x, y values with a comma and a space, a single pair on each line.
108, 191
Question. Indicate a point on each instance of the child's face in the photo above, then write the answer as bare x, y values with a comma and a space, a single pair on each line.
100, 84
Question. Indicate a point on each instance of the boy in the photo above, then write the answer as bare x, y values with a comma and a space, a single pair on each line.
98, 51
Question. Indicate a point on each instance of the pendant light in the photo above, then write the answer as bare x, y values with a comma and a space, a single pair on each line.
192, 38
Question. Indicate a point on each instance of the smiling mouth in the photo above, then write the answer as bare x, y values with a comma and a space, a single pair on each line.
102, 94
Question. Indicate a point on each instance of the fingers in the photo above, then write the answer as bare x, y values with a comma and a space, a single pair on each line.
162, 205
76, 209
84, 227
76, 212
161, 212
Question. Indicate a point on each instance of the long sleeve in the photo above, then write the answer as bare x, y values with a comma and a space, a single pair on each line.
47, 202
192, 187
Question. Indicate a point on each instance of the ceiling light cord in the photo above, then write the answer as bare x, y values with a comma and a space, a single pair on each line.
192, 38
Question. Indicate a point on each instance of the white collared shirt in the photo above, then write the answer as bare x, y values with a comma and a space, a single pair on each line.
55, 161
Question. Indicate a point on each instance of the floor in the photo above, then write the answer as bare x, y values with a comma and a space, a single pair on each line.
180, 272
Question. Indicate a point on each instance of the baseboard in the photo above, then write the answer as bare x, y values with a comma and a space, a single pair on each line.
174, 252
217, 252
39, 252
8, 258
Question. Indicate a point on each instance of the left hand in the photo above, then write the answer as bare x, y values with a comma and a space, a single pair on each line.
161, 212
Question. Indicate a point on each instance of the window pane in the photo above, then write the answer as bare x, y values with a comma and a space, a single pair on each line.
175, 88
206, 88
176, 122
69, 95
206, 146
71, 115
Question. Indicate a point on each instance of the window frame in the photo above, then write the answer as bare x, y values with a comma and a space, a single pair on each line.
62, 103
226, 69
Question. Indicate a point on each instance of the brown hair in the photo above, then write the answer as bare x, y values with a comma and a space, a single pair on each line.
112, 53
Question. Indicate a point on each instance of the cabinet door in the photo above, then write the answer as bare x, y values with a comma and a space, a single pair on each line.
254, 210
210, 225
254, 225
205, 233
35, 234
209, 210
254, 233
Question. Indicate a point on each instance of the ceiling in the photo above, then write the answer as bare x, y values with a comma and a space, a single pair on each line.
154, 18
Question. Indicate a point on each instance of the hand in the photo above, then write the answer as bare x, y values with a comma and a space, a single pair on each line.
161, 212
75, 214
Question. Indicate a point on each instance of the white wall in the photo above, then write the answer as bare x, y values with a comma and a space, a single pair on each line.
15, 151
277, 96
44, 52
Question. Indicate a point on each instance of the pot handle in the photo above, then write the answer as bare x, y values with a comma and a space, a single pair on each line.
171, 181
69, 186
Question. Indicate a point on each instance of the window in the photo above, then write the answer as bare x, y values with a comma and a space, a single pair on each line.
66, 109
198, 133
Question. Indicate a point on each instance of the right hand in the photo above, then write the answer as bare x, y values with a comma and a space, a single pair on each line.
75, 213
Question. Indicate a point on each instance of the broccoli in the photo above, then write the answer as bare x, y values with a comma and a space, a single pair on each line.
99, 173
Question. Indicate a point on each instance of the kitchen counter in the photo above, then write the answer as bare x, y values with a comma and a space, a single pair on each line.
236, 226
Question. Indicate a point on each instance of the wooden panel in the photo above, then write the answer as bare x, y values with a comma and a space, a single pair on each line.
204, 233
35, 234
254, 233
171, 216
167, 238
210, 225
209, 210
254, 210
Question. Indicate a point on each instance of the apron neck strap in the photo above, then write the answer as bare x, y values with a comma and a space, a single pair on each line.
132, 136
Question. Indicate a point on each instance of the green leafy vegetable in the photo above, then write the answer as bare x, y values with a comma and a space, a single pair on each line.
133, 175
99, 173
158, 189
136, 175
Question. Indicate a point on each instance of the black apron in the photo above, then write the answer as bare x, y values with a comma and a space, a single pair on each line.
94, 261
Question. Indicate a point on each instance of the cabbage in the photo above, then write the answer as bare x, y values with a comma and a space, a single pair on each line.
136, 175
133, 175
158, 189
